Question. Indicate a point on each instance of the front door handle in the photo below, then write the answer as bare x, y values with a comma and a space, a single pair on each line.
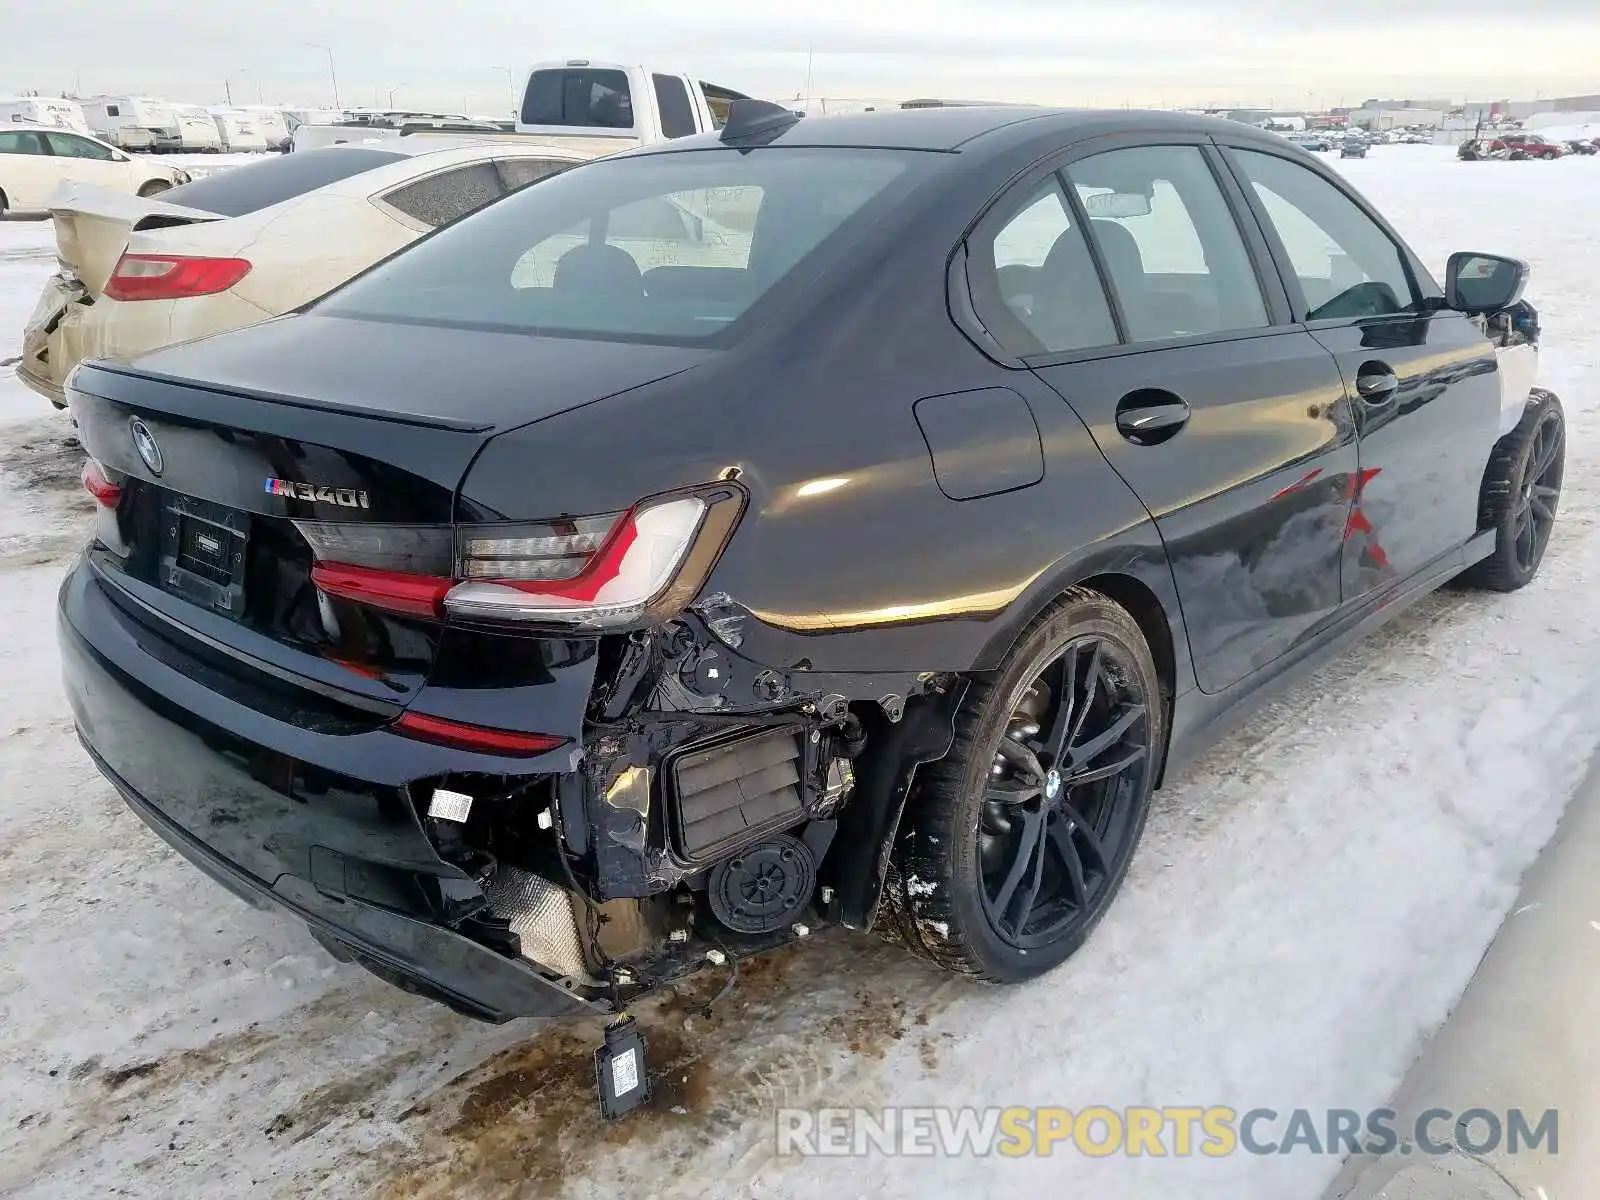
1148, 420
1377, 384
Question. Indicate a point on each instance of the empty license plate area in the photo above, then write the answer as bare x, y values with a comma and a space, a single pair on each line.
203, 553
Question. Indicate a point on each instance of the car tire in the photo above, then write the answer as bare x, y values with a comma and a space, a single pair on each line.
154, 188
1521, 492
2, 206
983, 827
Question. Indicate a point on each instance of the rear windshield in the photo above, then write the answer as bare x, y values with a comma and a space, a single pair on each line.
233, 193
594, 97
660, 247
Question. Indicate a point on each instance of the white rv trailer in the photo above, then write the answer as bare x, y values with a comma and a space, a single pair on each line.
240, 130
271, 123
50, 112
131, 122
312, 116
196, 132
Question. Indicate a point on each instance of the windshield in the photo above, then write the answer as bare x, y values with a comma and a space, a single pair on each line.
659, 247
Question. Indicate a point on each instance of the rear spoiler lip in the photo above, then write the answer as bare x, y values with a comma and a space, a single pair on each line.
86, 372
82, 199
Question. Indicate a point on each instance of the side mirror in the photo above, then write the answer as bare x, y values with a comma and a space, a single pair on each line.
1483, 283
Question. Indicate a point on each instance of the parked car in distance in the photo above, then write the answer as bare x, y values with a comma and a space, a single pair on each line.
1526, 145
1316, 143
1579, 146
36, 161
247, 244
558, 603
1353, 147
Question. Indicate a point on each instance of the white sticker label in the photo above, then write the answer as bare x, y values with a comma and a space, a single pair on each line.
450, 806
625, 1073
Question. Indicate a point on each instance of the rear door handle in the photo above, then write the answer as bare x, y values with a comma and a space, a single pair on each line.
1148, 421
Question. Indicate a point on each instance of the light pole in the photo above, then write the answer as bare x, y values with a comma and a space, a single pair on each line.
511, 87
392, 91
333, 77
227, 84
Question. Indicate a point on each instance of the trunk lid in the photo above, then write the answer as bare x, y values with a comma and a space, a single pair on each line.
95, 225
203, 536
319, 419
391, 371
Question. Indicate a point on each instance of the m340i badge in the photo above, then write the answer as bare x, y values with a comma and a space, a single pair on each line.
319, 493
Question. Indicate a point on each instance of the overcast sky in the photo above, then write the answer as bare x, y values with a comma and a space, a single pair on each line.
455, 53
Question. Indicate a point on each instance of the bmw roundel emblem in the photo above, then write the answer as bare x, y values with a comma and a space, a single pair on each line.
145, 443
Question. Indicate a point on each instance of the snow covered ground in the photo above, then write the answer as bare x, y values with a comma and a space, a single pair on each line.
1308, 903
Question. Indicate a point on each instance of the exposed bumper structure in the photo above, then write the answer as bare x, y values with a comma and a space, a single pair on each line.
275, 827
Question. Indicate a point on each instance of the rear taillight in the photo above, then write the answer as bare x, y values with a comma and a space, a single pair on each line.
474, 737
173, 276
106, 493
589, 573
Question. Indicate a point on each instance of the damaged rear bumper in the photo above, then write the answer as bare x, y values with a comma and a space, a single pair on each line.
416, 955
258, 805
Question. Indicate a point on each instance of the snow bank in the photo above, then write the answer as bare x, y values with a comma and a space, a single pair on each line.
1554, 124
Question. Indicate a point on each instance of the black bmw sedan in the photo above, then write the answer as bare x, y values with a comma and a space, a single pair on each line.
830, 521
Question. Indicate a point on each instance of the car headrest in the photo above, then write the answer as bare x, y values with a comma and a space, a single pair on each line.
596, 267
1121, 250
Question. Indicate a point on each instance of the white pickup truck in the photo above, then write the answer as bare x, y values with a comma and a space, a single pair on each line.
594, 107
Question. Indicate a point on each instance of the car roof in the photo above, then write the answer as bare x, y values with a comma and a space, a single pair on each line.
31, 127
419, 147
955, 128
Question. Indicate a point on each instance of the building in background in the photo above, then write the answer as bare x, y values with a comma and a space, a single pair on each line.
1382, 118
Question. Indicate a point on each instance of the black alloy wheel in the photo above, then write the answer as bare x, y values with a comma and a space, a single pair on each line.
1015, 843
1534, 515
1055, 814
1521, 493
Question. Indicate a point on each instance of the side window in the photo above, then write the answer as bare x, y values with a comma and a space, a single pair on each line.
20, 142
1034, 285
672, 98
1176, 258
718, 100
113, 110
520, 172
447, 196
1347, 265
66, 145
